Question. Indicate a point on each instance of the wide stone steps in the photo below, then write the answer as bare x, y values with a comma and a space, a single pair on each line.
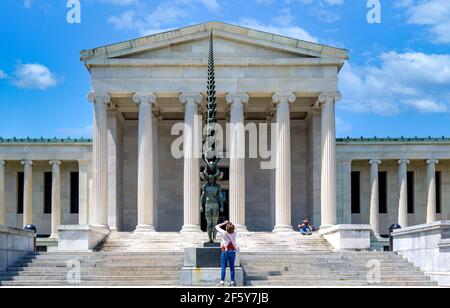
331, 269
95, 269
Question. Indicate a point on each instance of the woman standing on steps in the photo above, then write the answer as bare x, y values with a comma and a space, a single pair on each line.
229, 250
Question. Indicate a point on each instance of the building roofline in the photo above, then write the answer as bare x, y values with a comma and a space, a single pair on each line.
43, 140
110, 49
361, 140
376, 140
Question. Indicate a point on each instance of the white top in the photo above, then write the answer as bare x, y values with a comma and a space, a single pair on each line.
227, 238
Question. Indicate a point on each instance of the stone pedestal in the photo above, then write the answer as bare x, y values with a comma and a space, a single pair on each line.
202, 267
348, 237
81, 238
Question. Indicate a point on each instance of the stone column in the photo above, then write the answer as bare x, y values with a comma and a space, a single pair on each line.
28, 192
283, 162
191, 146
2, 193
431, 187
83, 183
374, 197
403, 193
99, 208
237, 160
328, 169
56, 197
145, 162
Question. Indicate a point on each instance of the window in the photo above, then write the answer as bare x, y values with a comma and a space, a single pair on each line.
74, 193
356, 192
438, 192
47, 192
410, 189
20, 183
382, 192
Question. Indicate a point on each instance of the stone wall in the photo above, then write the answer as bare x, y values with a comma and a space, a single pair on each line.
14, 244
428, 247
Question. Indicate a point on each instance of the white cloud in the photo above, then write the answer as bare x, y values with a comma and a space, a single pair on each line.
400, 81
3, 75
285, 18
34, 76
434, 14
292, 31
76, 132
148, 19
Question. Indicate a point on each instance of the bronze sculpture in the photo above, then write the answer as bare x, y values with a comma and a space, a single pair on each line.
212, 199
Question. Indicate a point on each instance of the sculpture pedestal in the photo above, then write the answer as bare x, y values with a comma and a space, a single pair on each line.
202, 267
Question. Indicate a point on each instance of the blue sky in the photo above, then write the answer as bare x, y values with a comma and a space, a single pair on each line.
397, 82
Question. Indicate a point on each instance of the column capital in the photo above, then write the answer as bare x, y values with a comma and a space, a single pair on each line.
27, 162
55, 162
432, 162
2, 162
144, 98
284, 97
191, 98
404, 161
237, 98
97, 97
375, 161
325, 97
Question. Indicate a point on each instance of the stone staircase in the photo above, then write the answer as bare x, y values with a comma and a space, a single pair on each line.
268, 259
282, 242
321, 268
95, 269
144, 242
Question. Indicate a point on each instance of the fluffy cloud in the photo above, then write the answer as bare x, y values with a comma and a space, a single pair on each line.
3, 75
434, 14
146, 19
400, 81
34, 76
292, 31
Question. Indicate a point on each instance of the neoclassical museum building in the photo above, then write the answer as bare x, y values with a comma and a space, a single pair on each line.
126, 179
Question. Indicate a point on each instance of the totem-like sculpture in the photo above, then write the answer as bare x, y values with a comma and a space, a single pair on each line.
212, 199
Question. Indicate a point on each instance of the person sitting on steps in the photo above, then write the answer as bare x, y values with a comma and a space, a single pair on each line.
306, 228
229, 250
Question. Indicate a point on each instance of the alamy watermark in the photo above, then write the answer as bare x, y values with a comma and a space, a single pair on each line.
229, 142
74, 14
374, 14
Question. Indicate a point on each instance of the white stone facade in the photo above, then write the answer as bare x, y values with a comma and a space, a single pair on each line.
130, 181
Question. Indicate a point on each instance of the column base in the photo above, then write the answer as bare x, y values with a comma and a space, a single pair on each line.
283, 229
191, 229
145, 229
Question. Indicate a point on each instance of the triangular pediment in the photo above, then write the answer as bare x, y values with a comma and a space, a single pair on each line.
223, 49
231, 42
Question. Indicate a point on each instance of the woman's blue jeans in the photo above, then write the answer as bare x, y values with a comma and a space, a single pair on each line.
227, 259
